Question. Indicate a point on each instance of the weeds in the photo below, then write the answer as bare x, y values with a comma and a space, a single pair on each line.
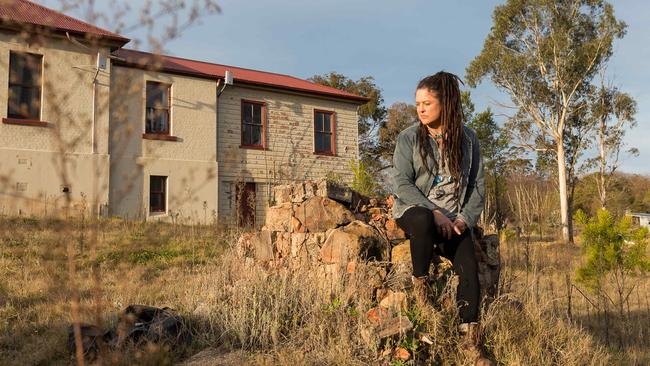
277, 315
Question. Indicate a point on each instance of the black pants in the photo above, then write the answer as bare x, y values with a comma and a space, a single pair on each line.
419, 223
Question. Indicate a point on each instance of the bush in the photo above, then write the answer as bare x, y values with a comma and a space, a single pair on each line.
614, 252
363, 180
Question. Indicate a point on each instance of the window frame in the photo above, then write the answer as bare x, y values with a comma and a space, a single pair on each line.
157, 210
262, 145
332, 132
26, 120
166, 135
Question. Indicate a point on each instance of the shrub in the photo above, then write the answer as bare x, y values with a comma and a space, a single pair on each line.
363, 180
614, 252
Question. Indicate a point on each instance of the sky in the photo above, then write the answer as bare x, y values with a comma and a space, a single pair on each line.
395, 42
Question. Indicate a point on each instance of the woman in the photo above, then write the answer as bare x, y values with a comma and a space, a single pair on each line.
439, 194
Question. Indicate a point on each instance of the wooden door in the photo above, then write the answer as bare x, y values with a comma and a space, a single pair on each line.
245, 197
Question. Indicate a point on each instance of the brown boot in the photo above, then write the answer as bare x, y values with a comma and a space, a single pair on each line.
472, 344
420, 290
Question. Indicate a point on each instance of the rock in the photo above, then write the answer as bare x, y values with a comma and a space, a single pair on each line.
401, 354
401, 253
257, 245
376, 211
390, 201
377, 217
351, 267
329, 275
360, 228
282, 194
310, 189
319, 214
357, 239
298, 194
213, 357
489, 263
278, 218
392, 326
296, 225
393, 231
386, 325
282, 244
374, 275
340, 247
306, 245
378, 315
333, 191
394, 301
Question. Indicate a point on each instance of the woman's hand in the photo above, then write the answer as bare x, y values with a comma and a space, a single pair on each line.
459, 226
445, 227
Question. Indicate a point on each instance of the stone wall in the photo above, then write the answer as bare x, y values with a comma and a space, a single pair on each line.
331, 228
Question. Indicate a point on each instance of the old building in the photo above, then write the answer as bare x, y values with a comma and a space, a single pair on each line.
92, 125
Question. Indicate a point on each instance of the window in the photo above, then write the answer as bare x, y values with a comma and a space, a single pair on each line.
253, 121
25, 70
157, 117
324, 135
157, 194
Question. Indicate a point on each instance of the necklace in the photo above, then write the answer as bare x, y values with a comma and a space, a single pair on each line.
436, 135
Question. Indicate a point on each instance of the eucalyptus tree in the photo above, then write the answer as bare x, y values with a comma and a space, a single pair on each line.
613, 112
544, 54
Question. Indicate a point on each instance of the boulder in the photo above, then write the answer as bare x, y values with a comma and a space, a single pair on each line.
296, 225
282, 194
306, 245
258, 245
394, 301
340, 247
401, 253
393, 231
318, 214
333, 191
384, 324
348, 243
282, 244
489, 262
278, 218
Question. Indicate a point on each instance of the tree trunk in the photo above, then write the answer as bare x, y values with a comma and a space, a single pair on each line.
562, 184
602, 189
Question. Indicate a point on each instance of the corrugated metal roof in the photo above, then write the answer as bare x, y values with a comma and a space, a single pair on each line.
23, 11
209, 70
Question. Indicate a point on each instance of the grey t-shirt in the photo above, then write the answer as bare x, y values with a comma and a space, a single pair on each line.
443, 192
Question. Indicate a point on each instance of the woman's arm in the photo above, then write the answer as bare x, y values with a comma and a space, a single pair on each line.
474, 203
403, 174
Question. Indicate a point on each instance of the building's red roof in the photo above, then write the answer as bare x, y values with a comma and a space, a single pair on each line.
216, 71
23, 11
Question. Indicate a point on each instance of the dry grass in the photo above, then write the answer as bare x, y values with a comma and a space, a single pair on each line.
275, 316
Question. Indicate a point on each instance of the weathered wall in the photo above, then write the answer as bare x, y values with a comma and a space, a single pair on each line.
72, 150
289, 155
189, 162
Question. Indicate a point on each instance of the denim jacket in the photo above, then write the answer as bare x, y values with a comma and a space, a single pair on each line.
412, 182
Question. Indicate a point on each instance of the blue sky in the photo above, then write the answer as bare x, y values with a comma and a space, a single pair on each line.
396, 42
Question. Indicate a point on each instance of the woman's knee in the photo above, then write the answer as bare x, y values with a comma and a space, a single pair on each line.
465, 261
417, 219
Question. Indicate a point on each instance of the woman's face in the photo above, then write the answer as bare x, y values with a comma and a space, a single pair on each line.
428, 107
